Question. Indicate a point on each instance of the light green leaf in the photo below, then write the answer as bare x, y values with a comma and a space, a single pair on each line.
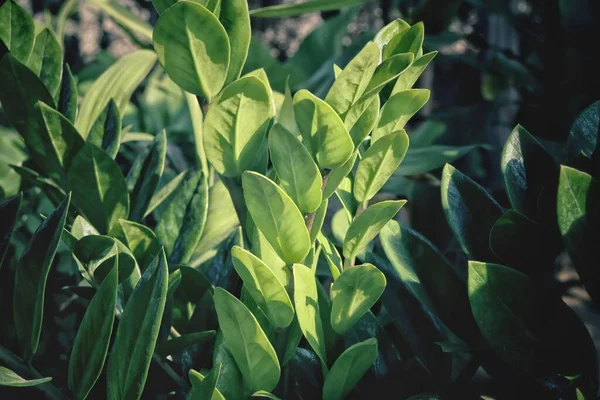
388, 32
353, 293
337, 175
324, 133
9, 213
139, 239
378, 164
193, 48
249, 346
130, 22
68, 95
198, 127
293, 9
264, 394
307, 309
205, 387
177, 345
236, 125
331, 256
12, 379
298, 174
236, 21
17, 30
93, 337
118, 83
406, 41
81, 227
387, 71
344, 193
409, 77
277, 217
137, 333
362, 118
46, 60
318, 220
30, 279
263, 250
286, 116
367, 225
106, 130
398, 110
349, 368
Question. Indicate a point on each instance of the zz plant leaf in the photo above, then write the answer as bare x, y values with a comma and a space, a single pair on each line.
17, 30
11, 379
398, 110
9, 213
46, 60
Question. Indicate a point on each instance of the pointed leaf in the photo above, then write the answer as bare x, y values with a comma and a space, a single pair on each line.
9, 213
337, 175
164, 192
407, 41
388, 32
46, 60
205, 387
235, 18
139, 239
331, 256
178, 345
106, 130
12, 379
318, 220
293, 9
583, 136
398, 110
17, 30
362, 118
68, 95
409, 77
387, 71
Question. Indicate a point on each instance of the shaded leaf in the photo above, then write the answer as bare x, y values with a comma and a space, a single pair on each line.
46, 60
17, 30
9, 213
106, 130
12, 379
178, 345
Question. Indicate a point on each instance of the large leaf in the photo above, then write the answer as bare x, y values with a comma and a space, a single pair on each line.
349, 368
378, 164
99, 189
46, 60
93, 337
306, 301
409, 77
118, 83
30, 279
367, 225
193, 48
298, 174
398, 110
264, 287
353, 293
16, 30
362, 118
277, 217
324, 133
252, 351
12, 379
9, 213
137, 333
470, 211
236, 21
235, 127
293, 9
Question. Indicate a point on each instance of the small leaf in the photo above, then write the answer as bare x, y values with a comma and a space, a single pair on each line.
30, 279
205, 387
318, 220
419, 160
387, 71
9, 213
353, 293
293, 9
139, 239
277, 217
193, 48
298, 174
407, 41
409, 77
331, 256
307, 309
367, 225
137, 333
286, 116
179, 344
12, 379
337, 175
362, 118
234, 16
249, 346
106, 130
68, 95
93, 337
388, 32
398, 110
17, 30
349, 368
46, 60
164, 192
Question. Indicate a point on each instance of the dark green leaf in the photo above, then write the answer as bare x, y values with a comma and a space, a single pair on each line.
428, 158
46, 60
9, 213
205, 387
17, 30
106, 130
68, 95
230, 381
12, 379
583, 137
139, 239
164, 192
177, 345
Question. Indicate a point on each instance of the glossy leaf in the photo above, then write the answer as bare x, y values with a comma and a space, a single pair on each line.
583, 136
178, 345
388, 32
367, 225
407, 41
398, 110
264, 287
349, 368
409, 77
12, 379
298, 174
30, 279
193, 48
387, 71
93, 337
9, 213
263, 250
204, 387
230, 382
307, 309
293, 9
266, 395
68, 95
249, 346
337, 175
106, 130
137, 333
277, 217
234, 16
17, 30
139, 239
164, 192
46, 60
235, 127
324, 133
378, 164
362, 118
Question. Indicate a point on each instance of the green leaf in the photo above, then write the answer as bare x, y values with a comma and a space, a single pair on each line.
182, 221
263, 250
99, 189
94, 253
298, 174
277, 217
470, 211
236, 125
68, 95
249, 346
351, 84
12, 379
318, 220
21, 92
578, 218
81, 227
127, 20
378, 164
178, 345
139, 239
236, 21
93, 337
9, 213
337, 175
262, 393
583, 136
230, 382
362, 118
286, 116
324, 133
17, 30
106, 130
30, 279
409, 77
353, 293
293, 9
150, 173
367, 225
46, 60
388, 32
137, 333
349, 368
193, 48
117, 83
331, 256
307, 309
428, 158
387, 71
407, 41
398, 110
264, 287
164, 192
205, 387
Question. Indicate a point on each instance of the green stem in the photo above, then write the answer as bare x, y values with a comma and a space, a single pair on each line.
234, 187
14, 362
198, 127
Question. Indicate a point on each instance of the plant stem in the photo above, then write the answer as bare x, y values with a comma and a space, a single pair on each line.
14, 362
310, 218
234, 187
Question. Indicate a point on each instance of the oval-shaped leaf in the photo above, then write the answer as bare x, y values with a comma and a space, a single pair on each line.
193, 48
337, 175
17, 30
277, 217
298, 174
30, 279
367, 225
324, 133
205, 387
362, 118
249, 346
387, 71
139, 239
9, 213
12, 379
583, 136
353, 293
409, 77
398, 110
137, 333
388, 32
407, 41
46, 60
235, 18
